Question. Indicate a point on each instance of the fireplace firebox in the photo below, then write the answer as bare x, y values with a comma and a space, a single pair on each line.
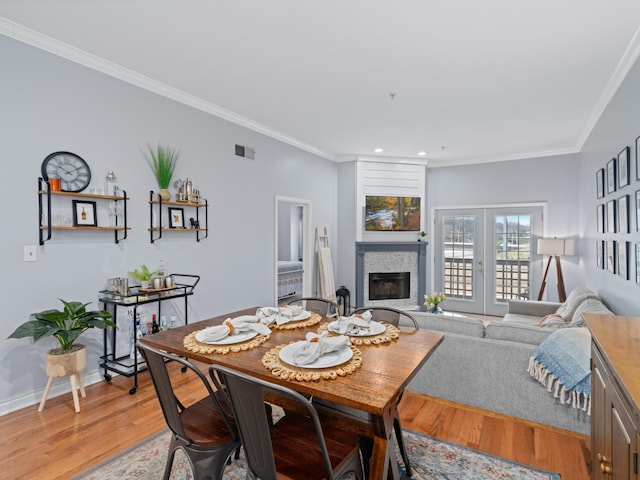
389, 285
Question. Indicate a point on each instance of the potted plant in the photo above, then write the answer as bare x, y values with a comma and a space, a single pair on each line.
434, 301
423, 235
144, 275
66, 326
162, 160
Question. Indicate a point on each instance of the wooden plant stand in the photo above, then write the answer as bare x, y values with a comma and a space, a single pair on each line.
67, 364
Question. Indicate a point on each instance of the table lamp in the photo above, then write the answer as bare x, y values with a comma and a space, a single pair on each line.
554, 247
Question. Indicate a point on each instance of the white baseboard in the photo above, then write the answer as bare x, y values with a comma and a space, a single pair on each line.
59, 387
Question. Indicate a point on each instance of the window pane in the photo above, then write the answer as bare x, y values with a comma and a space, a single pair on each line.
458, 241
513, 256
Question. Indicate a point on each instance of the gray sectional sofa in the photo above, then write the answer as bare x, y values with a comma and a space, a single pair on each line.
484, 364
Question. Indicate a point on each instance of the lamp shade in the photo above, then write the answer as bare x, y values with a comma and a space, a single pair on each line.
555, 246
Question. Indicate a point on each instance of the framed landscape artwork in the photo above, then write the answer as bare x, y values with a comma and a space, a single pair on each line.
623, 261
623, 168
600, 254
623, 214
600, 218
611, 216
611, 175
637, 262
611, 256
638, 211
600, 183
637, 159
392, 214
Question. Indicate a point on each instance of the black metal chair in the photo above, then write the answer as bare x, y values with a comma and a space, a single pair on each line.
298, 446
398, 318
203, 430
321, 306
390, 315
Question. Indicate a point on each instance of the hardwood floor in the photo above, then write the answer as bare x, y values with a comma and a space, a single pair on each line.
58, 443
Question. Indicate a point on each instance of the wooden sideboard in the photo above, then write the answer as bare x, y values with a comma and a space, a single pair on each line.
615, 396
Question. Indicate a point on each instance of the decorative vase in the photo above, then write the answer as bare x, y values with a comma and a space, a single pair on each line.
165, 194
145, 283
436, 309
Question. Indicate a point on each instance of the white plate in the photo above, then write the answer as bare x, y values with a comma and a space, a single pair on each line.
331, 359
229, 340
375, 328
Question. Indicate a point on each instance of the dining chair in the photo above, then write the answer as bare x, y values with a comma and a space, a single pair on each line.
390, 315
321, 306
298, 445
395, 317
203, 431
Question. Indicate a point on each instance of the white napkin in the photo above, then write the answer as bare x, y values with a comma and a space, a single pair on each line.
230, 326
317, 345
355, 322
280, 315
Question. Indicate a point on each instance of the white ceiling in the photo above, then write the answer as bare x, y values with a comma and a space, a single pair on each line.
487, 80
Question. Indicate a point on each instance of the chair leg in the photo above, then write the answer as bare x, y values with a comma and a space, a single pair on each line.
366, 450
403, 451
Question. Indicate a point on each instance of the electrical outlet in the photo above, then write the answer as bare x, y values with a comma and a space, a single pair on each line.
30, 254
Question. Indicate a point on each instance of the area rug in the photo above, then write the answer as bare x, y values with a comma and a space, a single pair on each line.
430, 459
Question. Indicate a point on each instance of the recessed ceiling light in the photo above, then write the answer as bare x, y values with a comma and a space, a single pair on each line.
422, 154
379, 150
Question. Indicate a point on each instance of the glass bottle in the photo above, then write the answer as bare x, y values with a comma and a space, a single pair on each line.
172, 322
163, 322
155, 328
110, 183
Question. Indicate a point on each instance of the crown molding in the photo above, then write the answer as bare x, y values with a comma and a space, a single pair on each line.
627, 61
38, 40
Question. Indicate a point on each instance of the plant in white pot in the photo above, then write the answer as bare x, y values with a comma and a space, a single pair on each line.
162, 160
65, 326
143, 275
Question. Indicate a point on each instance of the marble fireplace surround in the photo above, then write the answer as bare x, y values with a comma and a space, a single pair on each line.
387, 257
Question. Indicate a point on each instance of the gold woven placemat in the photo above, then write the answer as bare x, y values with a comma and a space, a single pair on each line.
271, 361
391, 332
193, 345
314, 319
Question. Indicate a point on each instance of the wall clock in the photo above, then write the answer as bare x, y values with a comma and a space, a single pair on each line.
73, 171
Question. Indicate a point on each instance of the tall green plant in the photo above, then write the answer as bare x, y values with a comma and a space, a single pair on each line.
66, 326
162, 160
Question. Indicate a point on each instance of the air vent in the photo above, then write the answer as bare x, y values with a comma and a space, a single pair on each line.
246, 152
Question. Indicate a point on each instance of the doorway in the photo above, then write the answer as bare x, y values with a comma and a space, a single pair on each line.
483, 257
293, 249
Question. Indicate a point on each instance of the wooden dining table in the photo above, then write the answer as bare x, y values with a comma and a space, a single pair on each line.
374, 388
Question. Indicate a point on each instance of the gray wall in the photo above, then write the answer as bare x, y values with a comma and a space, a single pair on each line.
537, 180
50, 104
618, 127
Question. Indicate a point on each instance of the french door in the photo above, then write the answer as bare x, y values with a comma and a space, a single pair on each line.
483, 257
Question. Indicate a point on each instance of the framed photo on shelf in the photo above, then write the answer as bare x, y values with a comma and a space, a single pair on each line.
611, 216
611, 175
611, 256
623, 214
623, 260
623, 168
600, 218
600, 183
600, 254
84, 214
176, 217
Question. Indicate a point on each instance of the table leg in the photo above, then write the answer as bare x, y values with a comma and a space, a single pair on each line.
384, 464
